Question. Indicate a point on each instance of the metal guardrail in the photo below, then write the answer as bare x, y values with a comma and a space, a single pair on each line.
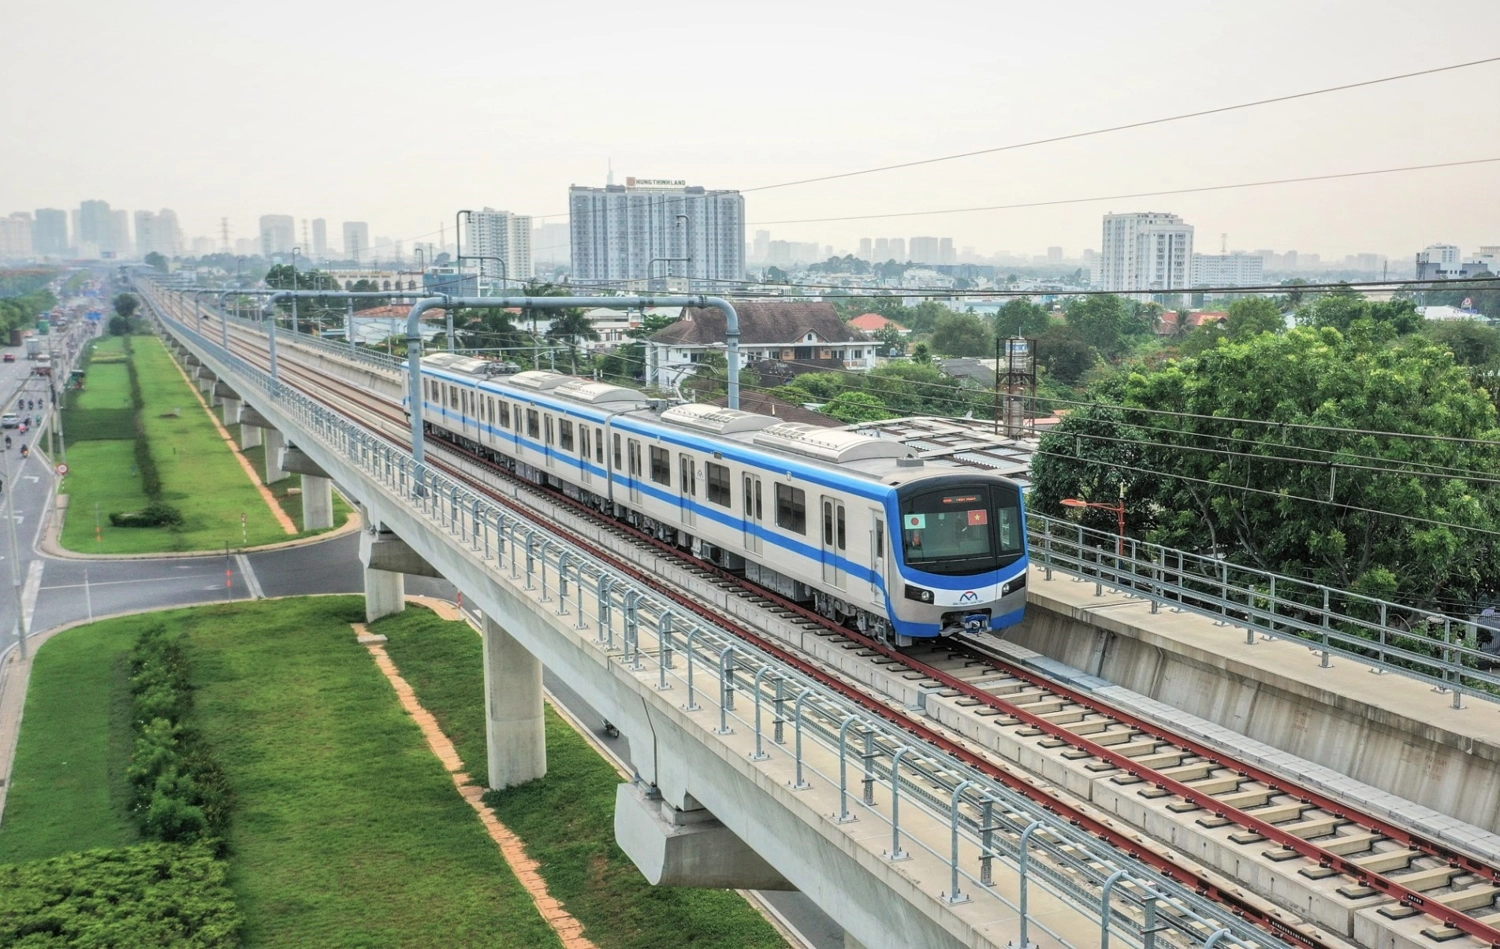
832, 738
1388, 637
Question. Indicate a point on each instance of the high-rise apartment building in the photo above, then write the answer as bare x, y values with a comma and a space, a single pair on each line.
356, 241
924, 250
119, 234
761, 251
866, 249
618, 231
16, 236
278, 234
549, 245
158, 233
504, 235
92, 227
1238, 269
50, 232
898, 250
882, 250
1145, 252
1444, 255
946, 254
319, 239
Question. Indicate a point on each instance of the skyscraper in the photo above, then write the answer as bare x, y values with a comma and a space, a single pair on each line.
618, 231
882, 250
924, 250
50, 233
549, 245
278, 234
92, 229
504, 235
171, 242
865, 249
158, 233
1145, 251
145, 232
320, 239
16, 236
119, 234
356, 241
945, 251
898, 250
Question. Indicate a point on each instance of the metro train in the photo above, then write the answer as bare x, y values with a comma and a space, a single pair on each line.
900, 547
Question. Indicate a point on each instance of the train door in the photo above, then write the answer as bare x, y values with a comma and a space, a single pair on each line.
877, 554
633, 456
547, 438
835, 541
687, 487
753, 513
585, 455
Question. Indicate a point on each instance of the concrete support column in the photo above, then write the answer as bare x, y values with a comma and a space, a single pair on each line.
275, 445
250, 435
232, 409
385, 593
317, 502
515, 729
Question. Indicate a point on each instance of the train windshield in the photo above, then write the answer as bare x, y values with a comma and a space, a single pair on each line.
962, 531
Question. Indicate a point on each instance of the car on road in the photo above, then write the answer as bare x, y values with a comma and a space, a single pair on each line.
9, 420
9, 357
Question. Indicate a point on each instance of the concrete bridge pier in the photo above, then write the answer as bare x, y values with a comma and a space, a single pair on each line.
206, 382
515, 727
253, 426
317, 489
233, 404
275, 445
387, 560
686, 846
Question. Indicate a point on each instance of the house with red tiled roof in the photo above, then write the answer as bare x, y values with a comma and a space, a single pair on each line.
788, 332
1168, 325
873, 323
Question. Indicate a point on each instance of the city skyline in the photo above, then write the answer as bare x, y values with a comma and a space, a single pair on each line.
523, 157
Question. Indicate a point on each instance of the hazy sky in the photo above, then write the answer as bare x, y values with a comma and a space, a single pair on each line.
399, 113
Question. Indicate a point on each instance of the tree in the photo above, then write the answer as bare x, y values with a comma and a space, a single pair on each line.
570, 326
126, 304
962, 334
1343, 308
156, 261
1063, 353
892, 341
1470, 341
1106, 322
1021, 317
854, 408
1251, 316
1334, 502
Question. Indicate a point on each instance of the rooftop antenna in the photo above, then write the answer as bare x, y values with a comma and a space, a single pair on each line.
610, 180
1224, 243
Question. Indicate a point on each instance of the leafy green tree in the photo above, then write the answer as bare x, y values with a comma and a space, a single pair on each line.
892, 341
854, 408
1341, 309
126, 304
962, 334
1251, 316
921, 353
1310, 502
1471, 342
156, 261
1062, 352
571, 327
1106, 322
823, 386
1021, 317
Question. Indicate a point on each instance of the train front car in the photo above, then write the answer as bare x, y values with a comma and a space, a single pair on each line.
961, 554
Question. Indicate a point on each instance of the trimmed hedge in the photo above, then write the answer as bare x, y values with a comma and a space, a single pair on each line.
179, 792
155, 514
158, 513
151, 894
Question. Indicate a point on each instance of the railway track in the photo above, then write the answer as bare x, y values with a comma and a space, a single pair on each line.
1426, 893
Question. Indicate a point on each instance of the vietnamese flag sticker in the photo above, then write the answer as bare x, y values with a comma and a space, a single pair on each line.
979, 518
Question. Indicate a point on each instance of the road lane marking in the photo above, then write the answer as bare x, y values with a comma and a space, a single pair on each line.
251, 583
33, 586
115, 583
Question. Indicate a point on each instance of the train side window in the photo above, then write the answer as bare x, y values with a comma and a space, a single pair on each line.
599, 445
828, 523
791, 508
491, 401
634, 451
758, 514
661, 465
504, 414
879, 539
839, 532
565, 434
453, 397
689, 480
548, 427
718, 484
618, 466
583, 442
533, 423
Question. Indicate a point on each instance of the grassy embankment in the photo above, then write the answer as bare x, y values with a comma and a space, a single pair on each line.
200, 474
567, 818
345, 829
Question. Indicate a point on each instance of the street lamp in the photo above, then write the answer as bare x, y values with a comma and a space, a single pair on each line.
1118, 509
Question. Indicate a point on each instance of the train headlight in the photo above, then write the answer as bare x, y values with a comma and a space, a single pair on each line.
918, 594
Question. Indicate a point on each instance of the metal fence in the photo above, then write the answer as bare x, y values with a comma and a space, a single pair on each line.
1389, 637
880, 770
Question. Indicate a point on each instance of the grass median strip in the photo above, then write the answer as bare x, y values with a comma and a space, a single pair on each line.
565, 819
345, 831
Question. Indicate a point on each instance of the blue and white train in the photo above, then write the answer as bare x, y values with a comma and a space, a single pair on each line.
902, 548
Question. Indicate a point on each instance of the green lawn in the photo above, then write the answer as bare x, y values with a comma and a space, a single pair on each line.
68, 790
201, 475
346, 832
567, 818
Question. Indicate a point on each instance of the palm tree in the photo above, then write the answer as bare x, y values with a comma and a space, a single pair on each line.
570, 326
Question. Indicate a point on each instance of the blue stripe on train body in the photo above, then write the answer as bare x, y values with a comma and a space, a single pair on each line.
760, 461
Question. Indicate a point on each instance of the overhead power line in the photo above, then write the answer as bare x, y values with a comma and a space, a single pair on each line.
1137, 194
1129, 125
